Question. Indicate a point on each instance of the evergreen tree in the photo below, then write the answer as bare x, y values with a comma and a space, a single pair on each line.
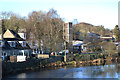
117, 32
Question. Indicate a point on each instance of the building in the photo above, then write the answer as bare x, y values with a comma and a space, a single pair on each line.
93, 35
68, 35
77, 46
22, 33
12, 44
107, 38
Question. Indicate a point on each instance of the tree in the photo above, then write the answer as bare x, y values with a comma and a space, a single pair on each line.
93, 43
4, 16
108, 47
40, 26
55, 27
116, 32
10, 21
46, 27
35, 26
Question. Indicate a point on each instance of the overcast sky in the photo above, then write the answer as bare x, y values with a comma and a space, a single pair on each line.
96, 12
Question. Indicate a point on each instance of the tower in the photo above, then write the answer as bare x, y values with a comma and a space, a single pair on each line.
68, 35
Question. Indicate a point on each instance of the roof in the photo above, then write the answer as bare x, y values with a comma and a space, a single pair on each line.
5, 46
79, 44
13, 39
106, 37
11, 36
86, 23
15, 34
94, 34
18, 46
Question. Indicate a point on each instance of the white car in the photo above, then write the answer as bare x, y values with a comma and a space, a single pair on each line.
63, 52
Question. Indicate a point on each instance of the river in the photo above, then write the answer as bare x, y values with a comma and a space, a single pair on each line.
102, 71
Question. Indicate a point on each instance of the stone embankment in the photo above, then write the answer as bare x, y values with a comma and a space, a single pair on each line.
31, 64
50, 62
98, 61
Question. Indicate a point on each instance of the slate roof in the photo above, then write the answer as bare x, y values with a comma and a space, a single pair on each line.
94, 34
18, 46
13, 39
5, 46
79, 44
15, 34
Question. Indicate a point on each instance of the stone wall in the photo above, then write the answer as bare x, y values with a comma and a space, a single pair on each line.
42, 56
30, 64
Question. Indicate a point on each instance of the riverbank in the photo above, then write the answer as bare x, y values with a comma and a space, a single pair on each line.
32, 64
85, 63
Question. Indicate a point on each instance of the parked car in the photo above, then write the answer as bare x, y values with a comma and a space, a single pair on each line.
53, 53
63, 52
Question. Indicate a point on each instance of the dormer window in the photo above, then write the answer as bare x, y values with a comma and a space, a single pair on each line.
1, 43
22, 35
23, 43
12, 43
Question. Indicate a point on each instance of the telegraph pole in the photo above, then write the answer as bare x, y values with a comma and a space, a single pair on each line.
42, 46
65, 58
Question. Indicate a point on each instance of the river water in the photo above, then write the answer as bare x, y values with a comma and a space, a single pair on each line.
102, 71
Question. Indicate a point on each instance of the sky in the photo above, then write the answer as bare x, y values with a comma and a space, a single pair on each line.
96, 12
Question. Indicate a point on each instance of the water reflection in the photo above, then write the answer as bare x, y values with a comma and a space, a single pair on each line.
106, 71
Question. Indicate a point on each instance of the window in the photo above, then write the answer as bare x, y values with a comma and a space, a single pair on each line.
20, 43
76, 47
20, 54
64, 37
24, 43
12, 43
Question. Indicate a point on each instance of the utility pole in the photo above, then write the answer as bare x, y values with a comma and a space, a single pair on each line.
42, 46
65, 58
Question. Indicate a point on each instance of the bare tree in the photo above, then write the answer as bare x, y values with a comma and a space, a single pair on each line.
46, 27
